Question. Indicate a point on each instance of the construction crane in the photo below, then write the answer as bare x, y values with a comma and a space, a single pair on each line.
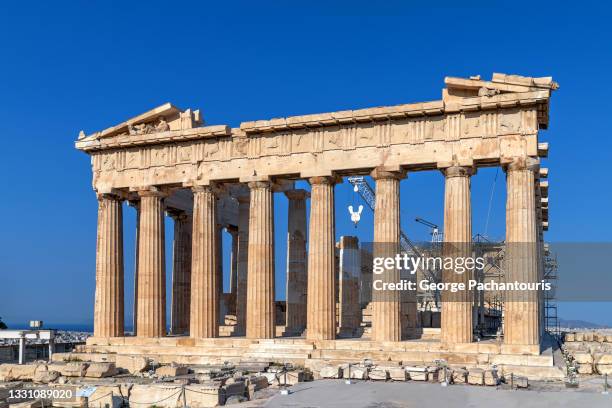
361, 186
436, 236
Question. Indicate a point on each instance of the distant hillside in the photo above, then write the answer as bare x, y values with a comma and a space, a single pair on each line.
581, 324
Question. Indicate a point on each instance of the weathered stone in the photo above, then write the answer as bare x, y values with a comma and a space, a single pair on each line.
476, 376
171, 371
101, 370
583, 358
417, 373
398, 374
570, 337
258, 381
491, 377
37, 403
235, 389
72, 369
356, 372
585, 368
331, 372
579, 336
77, 402
588, 336
45, 377
459, 376
133, 364
603, 358
604, 369
272, 377
159, 395
379, 374
291, 377
107, 397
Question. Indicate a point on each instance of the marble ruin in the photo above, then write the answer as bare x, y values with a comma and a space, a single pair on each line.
207, 178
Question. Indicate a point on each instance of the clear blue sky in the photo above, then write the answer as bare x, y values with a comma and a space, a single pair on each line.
89, 65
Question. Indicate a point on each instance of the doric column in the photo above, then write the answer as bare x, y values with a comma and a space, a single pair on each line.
297, 278
181, 272
260, 322
151, 266
108, 311
456, 320
386, 307
204, 320
521, 321
321, 301
243, 263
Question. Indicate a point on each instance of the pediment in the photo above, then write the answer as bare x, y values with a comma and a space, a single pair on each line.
163, 118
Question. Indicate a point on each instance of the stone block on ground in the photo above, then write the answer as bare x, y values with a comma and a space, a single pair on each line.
158, 395
433, 373
16, 372
570, 337
602, 358
459, 376
579, 336
258, 381
398, 374
291, 377
107, 397
356, 372
476, 376
72, 369
101, 370
235, 389
491, 377
588, 336
171, 370
604, 369
133, 364
45, 377
272, 377
585, 368
77, 402
378, 374
331, 371
417, 373
583, 358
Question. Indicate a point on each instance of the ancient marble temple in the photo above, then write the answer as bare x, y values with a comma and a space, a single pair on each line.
167, 162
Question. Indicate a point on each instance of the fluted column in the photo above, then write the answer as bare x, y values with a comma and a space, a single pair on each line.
108, 310
321, 302
181, 273
456, 320
204, 321
151, 266
243, 263
297, 278
386, 307
260, 322
521, 320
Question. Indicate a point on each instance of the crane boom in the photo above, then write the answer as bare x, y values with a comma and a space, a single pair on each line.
369, 196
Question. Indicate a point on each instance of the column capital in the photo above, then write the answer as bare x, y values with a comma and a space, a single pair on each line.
208, 188
381, 173
109, 196
331, 180
297, 194
151, 191
254, 185
458, 171
523, 163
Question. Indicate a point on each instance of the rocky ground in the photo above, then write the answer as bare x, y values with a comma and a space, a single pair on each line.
139, 381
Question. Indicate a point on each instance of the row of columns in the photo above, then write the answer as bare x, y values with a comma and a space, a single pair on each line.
253, 276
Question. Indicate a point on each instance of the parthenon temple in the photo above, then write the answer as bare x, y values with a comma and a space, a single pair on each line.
211, 178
